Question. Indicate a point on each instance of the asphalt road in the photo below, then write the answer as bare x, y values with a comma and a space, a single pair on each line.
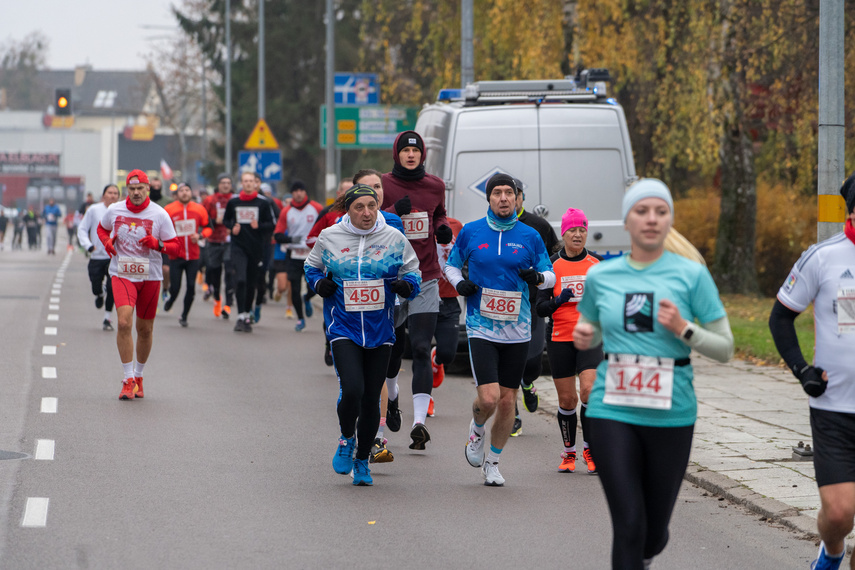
226, 463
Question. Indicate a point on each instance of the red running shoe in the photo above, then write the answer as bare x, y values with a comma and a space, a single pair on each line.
438, 370
139, 393
129, 387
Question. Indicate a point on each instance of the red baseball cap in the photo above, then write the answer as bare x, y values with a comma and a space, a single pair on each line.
137, 174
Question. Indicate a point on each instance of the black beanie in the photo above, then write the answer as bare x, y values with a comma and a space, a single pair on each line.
356, 192
501, 179
848, 192
297, 185
222, 175
409, 138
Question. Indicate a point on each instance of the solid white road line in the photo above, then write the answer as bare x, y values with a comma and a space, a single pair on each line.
35, 513
48, 371
48, 349
45, 449
49, 405
50, 331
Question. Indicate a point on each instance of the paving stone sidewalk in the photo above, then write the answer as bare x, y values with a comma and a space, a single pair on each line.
749, 419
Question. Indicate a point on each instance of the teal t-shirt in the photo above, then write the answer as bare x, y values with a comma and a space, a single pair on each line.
625, 301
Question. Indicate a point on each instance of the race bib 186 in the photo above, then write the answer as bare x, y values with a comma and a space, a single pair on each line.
133, 267
364, 295
500, 305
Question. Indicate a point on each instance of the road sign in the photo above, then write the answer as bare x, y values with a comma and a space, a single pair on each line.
268, 164
364, 126
356, 89
261, 138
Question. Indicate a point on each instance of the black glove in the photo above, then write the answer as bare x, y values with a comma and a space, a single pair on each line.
402, 288
91, 248
403, 206
530, 276
566, 295
325, 287
811, 379
282, 238
443, 235
466, 288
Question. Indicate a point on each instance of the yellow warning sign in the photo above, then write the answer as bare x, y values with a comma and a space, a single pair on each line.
261, 138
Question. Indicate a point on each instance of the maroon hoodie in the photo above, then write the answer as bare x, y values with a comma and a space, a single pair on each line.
427, 194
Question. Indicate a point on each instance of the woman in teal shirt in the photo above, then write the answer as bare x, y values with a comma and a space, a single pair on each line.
643, 307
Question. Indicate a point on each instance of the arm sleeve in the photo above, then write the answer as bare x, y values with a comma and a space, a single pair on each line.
713, 339
782, 324
229, 216
545, 303
103, 234
83, 231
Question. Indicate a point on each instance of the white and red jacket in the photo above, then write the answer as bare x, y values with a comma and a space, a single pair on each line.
297, 221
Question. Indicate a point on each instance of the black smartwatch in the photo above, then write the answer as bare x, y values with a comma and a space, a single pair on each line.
688, 333
159, 246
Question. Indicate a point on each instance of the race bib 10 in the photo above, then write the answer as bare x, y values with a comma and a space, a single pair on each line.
500, 305
364, 295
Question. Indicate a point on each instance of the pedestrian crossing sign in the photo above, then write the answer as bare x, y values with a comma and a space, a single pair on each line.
261, 138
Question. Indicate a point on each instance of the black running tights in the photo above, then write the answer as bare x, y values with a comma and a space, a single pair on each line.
361, 374
189, 268
421, 327
641, 469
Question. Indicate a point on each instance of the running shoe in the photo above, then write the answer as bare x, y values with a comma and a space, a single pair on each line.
247, 326
568, 462
530, 398
207, 294
361, 473
167, 305
139, 392
430, 412
289, 313
129, 386
218, 308
492, 477
309, 309
328, 356
99, 301
824, 561
438, 369
517, 429
241, 325
256, 313
227, 310
393, 415
342, 461
165, 295
183, 322
475, 447
589, 461
420, 436
379, 452
107, 325
301, 324
277, 296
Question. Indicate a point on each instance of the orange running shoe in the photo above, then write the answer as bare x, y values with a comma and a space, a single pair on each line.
568, 462
438, 369
129, 387
430, 408
226, 311
586, 455
218, 308
139, 392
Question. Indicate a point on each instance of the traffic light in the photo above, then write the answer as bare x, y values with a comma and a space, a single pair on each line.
62, 102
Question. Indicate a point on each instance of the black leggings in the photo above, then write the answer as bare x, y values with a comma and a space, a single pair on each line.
246, 277
446, 334
190, 268
397, 353
361, 373
295, 278
421, 327
641, 469
99, 269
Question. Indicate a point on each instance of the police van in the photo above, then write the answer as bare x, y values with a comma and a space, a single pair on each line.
564, 139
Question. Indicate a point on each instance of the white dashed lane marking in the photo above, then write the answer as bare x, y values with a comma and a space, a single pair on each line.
35, 513
49, 349
49, 405
45, 449
54, 300
50, 331
53, 317
48, 371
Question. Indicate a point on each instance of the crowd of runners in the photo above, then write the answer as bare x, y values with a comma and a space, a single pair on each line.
388, 264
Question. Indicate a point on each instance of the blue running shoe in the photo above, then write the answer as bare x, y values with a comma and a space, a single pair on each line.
342, 461
361, 473
826, 562
257, 313
301, 324
308, 304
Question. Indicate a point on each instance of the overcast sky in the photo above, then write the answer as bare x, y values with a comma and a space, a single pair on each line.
107, 34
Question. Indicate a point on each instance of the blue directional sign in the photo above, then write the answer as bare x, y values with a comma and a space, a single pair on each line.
267, 163
356, 89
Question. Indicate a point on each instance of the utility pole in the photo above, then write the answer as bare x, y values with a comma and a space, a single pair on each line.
467, 49
260, 59
330, 178
830, 163
229, 87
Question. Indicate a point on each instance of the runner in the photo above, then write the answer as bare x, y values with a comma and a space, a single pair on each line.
560, 303
825, 276
249, 219
504, 258
135, 233
51, 215
293, 226
419, 198
191, 225
218, 241
99, 259
358, 266
642, 307
4, 222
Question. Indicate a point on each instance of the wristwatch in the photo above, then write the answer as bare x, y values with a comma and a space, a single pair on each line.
687, 333
159, 245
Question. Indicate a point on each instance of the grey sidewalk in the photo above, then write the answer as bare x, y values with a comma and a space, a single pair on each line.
749, 419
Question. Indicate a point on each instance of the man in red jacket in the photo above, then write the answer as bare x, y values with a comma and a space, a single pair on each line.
419, 198
135, 233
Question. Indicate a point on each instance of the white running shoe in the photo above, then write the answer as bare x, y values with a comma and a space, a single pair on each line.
475, 447
492, 477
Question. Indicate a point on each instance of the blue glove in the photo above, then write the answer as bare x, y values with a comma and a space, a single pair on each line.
566, 295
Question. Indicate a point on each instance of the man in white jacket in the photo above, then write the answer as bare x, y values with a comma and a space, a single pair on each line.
99, 260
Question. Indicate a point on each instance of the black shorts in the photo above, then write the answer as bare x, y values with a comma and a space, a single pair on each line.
833, 446
294, 268
279, 266
497, 362
214, 253
449, 310
566, 361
